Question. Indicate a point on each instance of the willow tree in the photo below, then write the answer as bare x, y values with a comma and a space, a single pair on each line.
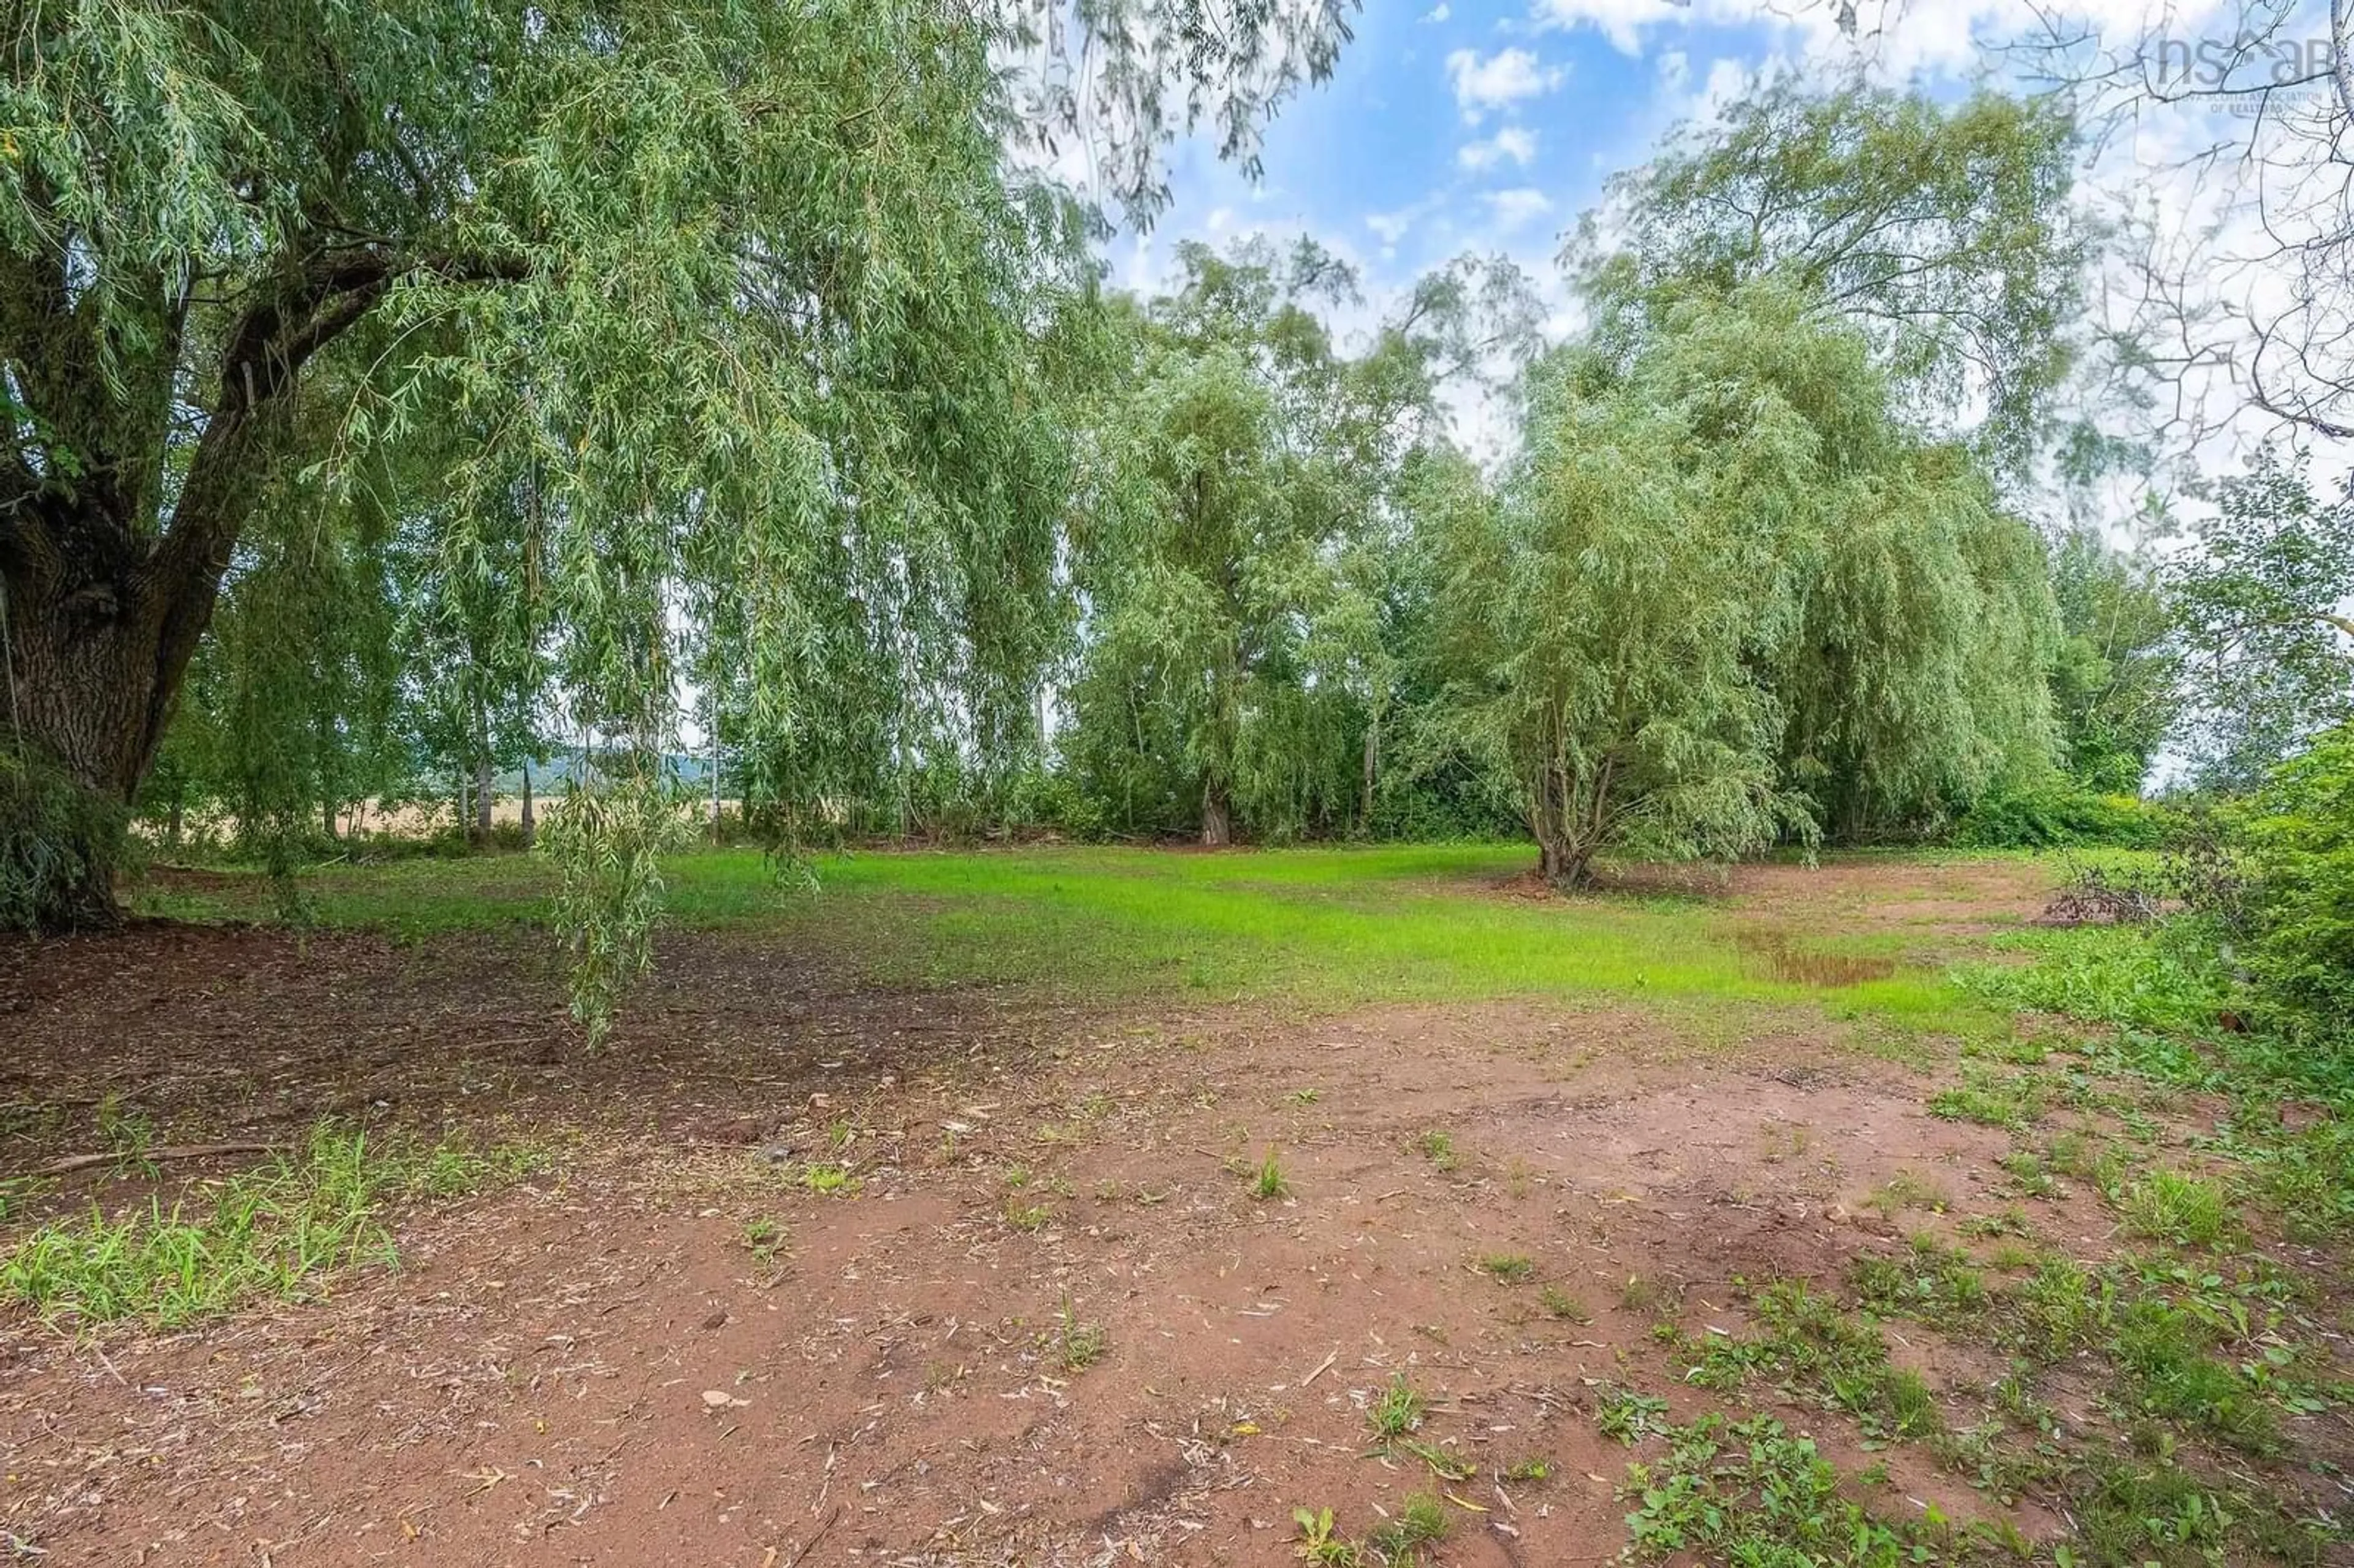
1720, 546
1234, 673
732, 283
1943, 233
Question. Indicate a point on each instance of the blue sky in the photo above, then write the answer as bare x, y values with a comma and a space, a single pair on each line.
1480, 125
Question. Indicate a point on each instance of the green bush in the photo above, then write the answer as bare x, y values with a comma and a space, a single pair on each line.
2058, 816
2299, 843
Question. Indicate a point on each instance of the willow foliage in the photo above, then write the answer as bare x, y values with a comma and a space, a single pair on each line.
1943, 233
644, 313
1234, 557
1723, 574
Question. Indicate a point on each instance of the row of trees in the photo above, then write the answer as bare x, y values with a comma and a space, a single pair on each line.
1757, 569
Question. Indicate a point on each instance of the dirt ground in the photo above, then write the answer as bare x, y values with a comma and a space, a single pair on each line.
662, 1349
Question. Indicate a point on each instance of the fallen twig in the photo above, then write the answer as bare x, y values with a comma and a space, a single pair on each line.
810, 1544
73, 1162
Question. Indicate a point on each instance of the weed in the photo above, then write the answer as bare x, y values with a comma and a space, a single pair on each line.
2148, 1508
1627, 1416
828, 1181
2060, 1310
1748, 1492
1269, 1183
1560, 1305
1646, 1296
1307, 1098
2165, 1349
1421, 1521
1447, 1466
1438, 1147
1506, 1267
1318, 1542
1398, 1411
280, 1229
2013, 1102
1932, 1282
2026, 1174
1813, 1345
1025, 1217
2185, 1210
2011, 1258
762, 1237
1078, 1346
127, 1134
2008, 1220
1906, 1190
2077, 1154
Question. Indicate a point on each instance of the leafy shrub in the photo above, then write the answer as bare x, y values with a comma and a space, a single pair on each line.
2300, 838
2062, 815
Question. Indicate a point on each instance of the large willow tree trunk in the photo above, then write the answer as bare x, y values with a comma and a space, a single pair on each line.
96, 643
1217, 816
1566, 827
108, 569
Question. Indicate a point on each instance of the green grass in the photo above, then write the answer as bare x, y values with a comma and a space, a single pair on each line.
281, 1230
1750, 1492
2188, 1211
1333, 926
1396, 1411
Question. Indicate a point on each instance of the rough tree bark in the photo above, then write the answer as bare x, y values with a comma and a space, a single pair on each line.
485, 799
1217, 816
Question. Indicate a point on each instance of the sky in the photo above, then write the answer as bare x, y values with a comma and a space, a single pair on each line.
1491, 125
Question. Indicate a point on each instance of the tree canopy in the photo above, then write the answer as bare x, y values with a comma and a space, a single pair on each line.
1727, 596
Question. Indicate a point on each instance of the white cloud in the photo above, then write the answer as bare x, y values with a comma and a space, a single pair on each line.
1620, 21
1896, 38
1514, 141
1390, 227
1517, 208
1503, 79
1437, 14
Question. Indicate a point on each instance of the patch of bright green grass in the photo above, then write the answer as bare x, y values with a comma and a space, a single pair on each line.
1811, 1346
1748, 1491
2188, 1211
2162, 977
1337, 926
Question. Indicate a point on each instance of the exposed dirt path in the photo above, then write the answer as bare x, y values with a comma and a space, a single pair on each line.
669, 1349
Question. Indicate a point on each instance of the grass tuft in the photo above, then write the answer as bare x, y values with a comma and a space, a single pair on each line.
281, 1230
